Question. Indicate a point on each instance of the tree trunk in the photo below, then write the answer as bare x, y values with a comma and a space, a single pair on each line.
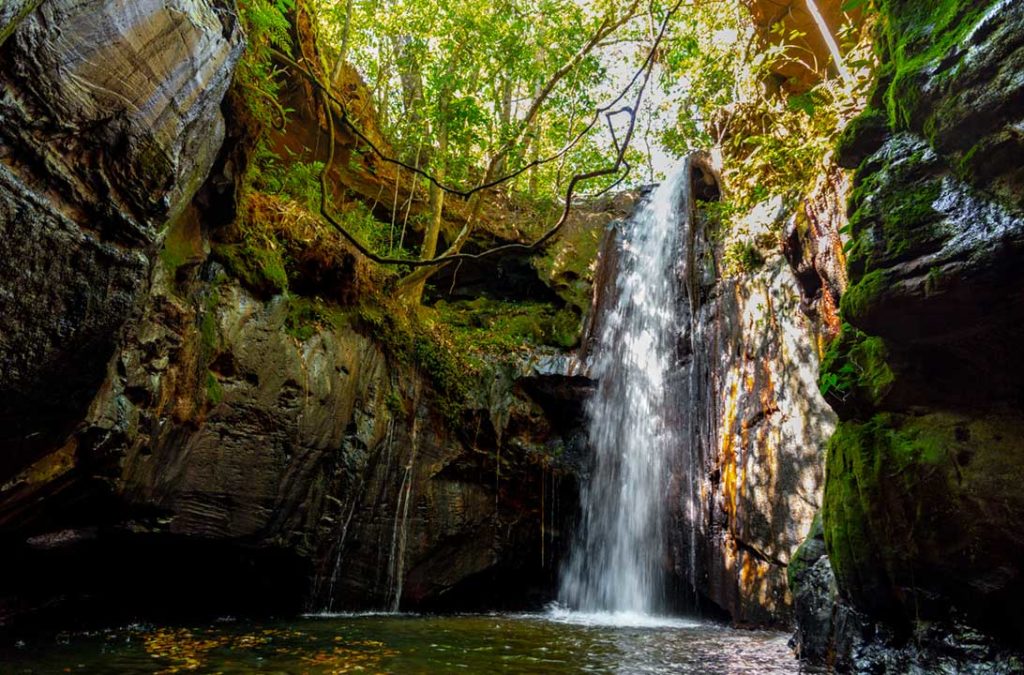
413, 293
505, 120
343, 51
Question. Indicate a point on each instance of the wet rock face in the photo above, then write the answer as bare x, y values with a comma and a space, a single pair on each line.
922, 508
756, 427
814, 594
264, 470
109, 122
746, 477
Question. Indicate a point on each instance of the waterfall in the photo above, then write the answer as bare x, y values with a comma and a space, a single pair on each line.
617, 558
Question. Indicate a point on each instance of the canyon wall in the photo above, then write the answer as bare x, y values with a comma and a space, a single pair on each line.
180, 437
917, 563
187, 430
748, 476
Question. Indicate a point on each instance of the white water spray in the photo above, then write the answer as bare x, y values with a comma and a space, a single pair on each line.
616, 562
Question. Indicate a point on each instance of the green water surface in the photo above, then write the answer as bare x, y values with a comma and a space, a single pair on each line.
523, 643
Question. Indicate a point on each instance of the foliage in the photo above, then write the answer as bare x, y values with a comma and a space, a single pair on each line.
496, 328
266, 27
855, 371
286, 176
742, 257
774, 136
468, 71
452, 84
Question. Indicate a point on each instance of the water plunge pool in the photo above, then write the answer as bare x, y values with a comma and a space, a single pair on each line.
553, 642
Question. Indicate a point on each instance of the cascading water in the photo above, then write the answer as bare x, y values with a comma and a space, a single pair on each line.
615, 564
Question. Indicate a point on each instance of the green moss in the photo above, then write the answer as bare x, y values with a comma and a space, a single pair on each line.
862, 136
394, 402
917, 37
805, 555
177, 249
906, 495
494, 327
306, 316
893, 215
209, 334
871, 467
214, 392
448, 375
911, 207
260, 268
409, 341
850, 484
564, 330
859, 298
855, 371
567, 265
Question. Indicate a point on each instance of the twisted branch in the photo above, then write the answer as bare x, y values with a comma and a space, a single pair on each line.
328, 97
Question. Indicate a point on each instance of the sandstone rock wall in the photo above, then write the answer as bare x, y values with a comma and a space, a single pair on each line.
175, 442
109, 122
750, 468
922, 502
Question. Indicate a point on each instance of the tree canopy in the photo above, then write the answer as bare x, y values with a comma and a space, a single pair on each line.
532, 97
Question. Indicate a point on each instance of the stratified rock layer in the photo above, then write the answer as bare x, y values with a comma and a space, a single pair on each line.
109, 122
749, 474
923, 505
181, 438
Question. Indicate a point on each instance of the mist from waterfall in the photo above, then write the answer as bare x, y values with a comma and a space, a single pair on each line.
616, 561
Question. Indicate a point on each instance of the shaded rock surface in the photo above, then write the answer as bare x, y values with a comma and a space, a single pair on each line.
177, 442
922, 503
106, 132
295, 472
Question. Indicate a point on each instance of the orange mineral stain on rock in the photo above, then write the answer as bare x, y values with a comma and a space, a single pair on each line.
728, 454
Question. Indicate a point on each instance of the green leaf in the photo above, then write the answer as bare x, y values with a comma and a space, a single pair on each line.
803, 102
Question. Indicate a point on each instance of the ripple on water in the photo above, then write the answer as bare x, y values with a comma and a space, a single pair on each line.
553, 642
558, 614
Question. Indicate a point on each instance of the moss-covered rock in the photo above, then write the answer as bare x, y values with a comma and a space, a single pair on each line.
855, 372
862, 137
923, 512
260, 268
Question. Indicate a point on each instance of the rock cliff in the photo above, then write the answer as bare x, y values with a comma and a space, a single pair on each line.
106, 132
921, 513
180, 435
749, 472
188, 424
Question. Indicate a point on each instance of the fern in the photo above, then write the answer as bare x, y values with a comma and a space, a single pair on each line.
266, 27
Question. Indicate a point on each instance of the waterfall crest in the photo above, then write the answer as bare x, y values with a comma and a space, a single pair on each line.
616, 560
